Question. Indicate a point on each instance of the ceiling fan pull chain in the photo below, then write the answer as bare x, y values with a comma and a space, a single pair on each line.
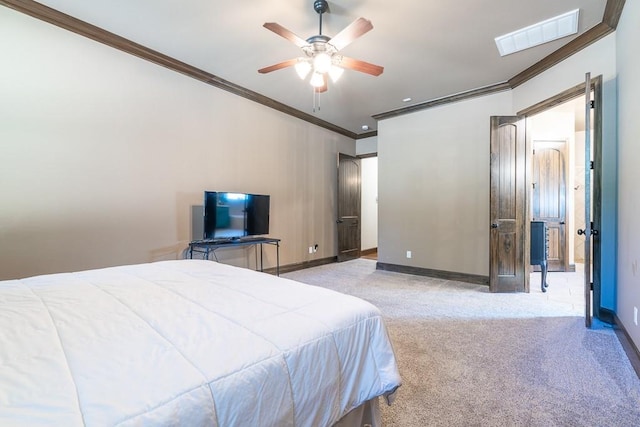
316, 100
313, 94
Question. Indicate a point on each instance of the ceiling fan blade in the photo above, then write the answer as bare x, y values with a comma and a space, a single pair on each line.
357, 65
279, 66
357, 28
283, 32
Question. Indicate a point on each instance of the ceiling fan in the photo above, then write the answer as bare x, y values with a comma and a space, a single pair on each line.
322, 56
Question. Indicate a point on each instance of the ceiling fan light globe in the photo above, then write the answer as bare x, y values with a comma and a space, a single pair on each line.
316, 80
335, 73
303, 68
321, 63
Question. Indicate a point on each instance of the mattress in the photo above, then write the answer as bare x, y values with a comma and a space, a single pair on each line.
187, 342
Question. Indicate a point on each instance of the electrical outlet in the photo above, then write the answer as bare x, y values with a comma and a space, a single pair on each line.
635, 315
408, 254
310, 249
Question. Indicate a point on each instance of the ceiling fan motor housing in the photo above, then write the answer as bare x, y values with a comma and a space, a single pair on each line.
320, 6
318, 44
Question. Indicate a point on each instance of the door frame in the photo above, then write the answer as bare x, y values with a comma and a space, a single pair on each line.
568, 95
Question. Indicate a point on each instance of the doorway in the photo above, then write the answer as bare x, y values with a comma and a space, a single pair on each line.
349, 202
557, 137
593, 172
367, 165
369, 213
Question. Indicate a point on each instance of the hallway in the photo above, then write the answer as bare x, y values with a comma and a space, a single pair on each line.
565, 288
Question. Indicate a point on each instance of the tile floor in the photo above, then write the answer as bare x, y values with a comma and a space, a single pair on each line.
564, 287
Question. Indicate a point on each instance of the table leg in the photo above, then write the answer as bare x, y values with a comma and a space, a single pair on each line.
543, 280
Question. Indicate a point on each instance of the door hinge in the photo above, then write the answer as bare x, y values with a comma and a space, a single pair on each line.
591, 284
591, 165
592, 104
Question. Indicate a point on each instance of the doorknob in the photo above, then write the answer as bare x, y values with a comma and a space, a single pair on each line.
561, 222
339, 221
593, 232
494, 225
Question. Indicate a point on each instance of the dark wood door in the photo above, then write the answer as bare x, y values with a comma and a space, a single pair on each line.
549, 198
507, 238
348, 207
595, 112
593, 203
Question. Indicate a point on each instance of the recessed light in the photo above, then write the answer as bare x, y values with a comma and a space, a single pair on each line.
406, 99
365, 127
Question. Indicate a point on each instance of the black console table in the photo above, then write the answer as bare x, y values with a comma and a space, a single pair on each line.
206, 247
540, 250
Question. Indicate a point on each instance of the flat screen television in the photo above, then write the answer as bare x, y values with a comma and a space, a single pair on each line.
235, 215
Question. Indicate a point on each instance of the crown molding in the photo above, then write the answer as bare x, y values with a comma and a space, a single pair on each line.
367, 134
612, 13
75, 25
582, 41
611, 16
487, 90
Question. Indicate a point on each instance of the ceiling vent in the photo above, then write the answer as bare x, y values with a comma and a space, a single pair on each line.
543, 32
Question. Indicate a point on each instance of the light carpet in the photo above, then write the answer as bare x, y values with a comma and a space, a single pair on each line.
468, 357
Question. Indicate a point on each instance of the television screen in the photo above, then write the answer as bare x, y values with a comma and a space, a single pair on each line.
235, 215
257, 214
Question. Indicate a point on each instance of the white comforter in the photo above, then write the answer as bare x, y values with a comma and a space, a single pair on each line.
189, 343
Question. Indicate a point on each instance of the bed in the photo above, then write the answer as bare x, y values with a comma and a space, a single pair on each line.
188, 343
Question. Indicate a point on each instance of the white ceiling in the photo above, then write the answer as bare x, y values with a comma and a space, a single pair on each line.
429, 48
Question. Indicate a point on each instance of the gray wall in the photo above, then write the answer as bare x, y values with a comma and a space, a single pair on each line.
103, 155
433, 189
